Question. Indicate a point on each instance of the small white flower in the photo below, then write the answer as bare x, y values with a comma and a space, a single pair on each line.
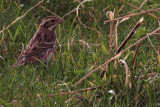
22, 5
112, 92
1, 57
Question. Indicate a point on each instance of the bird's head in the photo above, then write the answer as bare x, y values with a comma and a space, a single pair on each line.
51, 22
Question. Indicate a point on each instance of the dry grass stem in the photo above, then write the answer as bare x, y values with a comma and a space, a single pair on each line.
133, 66
135, 54
8, 7
116, 56
21, 16
116, 39
156, 33
159, 38
110, 15
140, 9
116, 43
143, 3
3, 37
121, 8
71, 92
126, 56
126, 70
105, 9
153, 46
130, 34
74, 10
140, 40
48, 10
133, 14
99, 67
44, 82
80, 19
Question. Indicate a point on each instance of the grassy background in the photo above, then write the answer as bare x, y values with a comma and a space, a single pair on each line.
30, 85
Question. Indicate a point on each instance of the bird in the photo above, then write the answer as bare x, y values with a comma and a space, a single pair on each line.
43, 44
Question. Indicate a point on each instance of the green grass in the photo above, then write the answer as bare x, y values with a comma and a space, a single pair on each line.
30, 85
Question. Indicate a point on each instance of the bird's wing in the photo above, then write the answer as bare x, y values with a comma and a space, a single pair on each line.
41, 41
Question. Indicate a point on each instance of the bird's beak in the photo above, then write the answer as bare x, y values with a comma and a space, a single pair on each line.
60, 21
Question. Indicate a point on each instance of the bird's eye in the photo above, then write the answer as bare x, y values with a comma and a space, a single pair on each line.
52, 20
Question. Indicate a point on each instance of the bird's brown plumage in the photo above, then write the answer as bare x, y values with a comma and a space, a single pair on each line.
43, 43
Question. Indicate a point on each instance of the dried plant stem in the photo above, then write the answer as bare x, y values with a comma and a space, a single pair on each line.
111, 16
135, 54
48, 10
153, 46
80, 19
45, 83
116, 47
74, 10
143, 3
140, 40
117, 56
126, 70
156, 33
116, 37
21, 16
71, 92
159, 40
140, 9
130, 34
134, 14
133, 65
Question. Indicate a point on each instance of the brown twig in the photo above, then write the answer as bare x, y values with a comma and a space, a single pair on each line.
80, 19
116, 56
133, 65
116, 47
135, 54
159, 41
111, 16
71, 92
134, 14
48, 10
143, 4
156, 33
140, 9
21, 16
74, 10
130, 34
126, 70
140, 40
153, 46
45, 83
8, 7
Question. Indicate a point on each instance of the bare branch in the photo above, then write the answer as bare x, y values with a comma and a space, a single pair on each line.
130, 34
71, 92
117, 56
21, 16
134, 14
